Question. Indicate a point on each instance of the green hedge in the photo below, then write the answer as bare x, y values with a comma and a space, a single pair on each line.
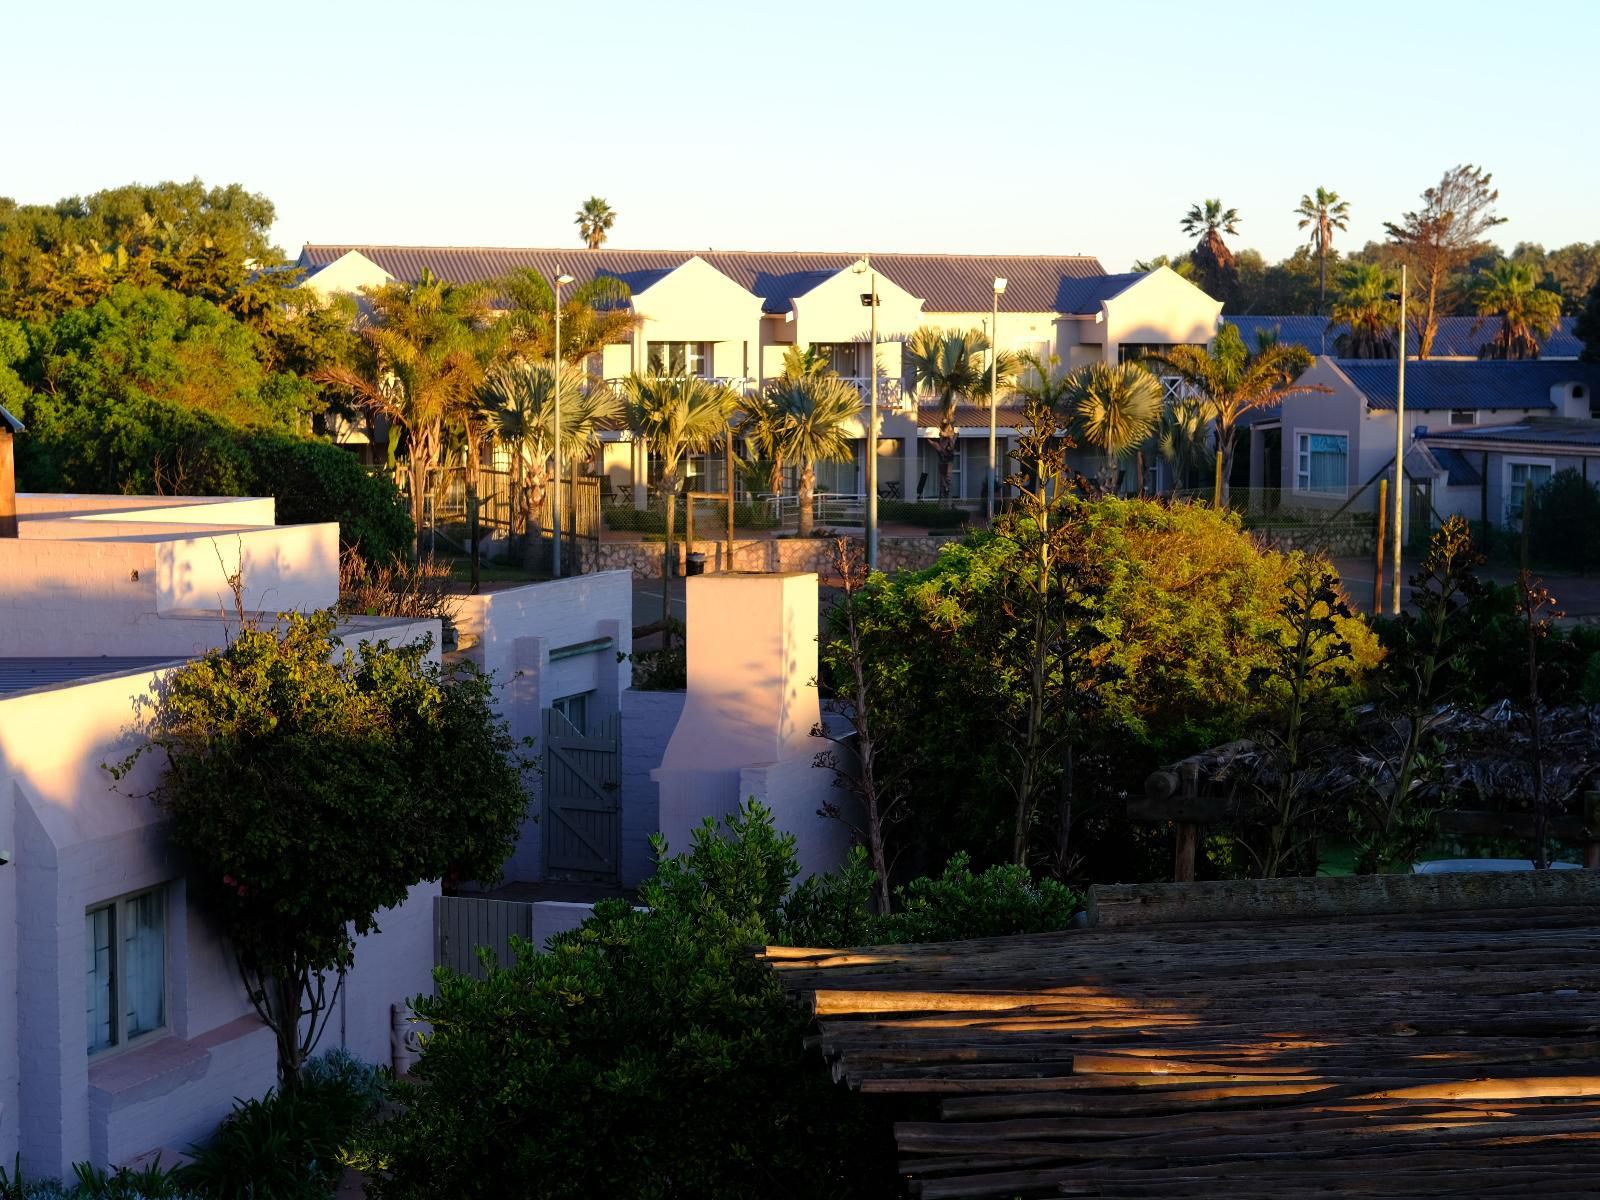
623, 519
929, 516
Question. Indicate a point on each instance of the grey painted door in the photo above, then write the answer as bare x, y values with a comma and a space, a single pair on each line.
463, 924
582, 798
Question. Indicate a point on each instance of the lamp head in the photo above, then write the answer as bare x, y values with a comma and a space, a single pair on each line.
562, 277
999, 285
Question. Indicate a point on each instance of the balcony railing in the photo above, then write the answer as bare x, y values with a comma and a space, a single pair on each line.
1174, 389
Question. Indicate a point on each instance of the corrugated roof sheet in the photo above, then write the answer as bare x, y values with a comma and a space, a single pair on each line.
26, 674
945, 282
1541, 431
1459, 337
1458, 471
1443, 385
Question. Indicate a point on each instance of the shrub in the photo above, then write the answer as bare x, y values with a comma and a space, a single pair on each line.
647, 1055
929, 516
1564, 523
314, 481
746, 515
153, 1182
290, 1145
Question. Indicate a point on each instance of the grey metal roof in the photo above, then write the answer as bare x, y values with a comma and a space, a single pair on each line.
1572, 432
1459, 472
27, 674
11, 423
1436, 384
945, 282
1458, 337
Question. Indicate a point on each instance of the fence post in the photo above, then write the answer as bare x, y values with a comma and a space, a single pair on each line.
1377, 577
1483, 501
1527, 517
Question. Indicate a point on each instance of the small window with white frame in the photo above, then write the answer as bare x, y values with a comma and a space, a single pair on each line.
1322, 462
575, 709
127, 969
1519, 474
1463, 416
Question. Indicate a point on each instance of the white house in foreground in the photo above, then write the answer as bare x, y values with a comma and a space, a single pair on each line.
731, 315
124, 1028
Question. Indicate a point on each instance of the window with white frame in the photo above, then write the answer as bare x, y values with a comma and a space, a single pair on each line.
1463, 416
680, 358
1322, 462
1519, 473
127, 969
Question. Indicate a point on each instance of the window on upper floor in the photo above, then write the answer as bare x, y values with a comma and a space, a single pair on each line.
127, 969
680, 358
1463, 416
844, 358
1322, 463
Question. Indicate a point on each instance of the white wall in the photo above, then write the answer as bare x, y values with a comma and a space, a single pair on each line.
648, 719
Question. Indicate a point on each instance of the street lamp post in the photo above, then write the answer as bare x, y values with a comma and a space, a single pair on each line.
870, 299
994, 392
555, 436
1399, 458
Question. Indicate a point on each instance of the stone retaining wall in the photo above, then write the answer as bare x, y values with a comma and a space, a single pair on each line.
760, 555
1355, 539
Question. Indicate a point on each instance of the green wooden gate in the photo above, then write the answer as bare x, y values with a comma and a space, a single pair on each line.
582, 798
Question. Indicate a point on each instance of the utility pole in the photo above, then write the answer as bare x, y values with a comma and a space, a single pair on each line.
555, 433
1398, 499
994, 395
870, 299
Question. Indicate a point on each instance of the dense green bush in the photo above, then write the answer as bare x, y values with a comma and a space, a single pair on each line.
1564, 523
153, 1182
289, 1145
315, 481
746, 515
648, 1055
929, 516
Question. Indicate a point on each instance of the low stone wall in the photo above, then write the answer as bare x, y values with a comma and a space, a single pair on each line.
1340, 540
762, 555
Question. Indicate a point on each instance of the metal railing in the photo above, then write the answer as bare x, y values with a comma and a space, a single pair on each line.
827, 508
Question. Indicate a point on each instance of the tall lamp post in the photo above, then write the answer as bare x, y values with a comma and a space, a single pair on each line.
1399, 458
870, 299
555, 436
994, 392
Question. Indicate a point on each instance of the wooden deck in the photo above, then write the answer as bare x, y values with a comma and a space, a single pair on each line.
1447, 1053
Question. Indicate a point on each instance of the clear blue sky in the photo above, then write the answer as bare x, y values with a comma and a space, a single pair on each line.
1054, 126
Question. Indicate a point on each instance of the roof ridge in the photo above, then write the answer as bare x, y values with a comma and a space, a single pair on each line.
707, 250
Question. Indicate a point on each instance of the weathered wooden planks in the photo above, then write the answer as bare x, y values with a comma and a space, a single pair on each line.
1438, 1053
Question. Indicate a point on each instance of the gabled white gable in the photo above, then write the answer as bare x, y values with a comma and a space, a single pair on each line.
833, 310
348, 274
1161, 306
695, 302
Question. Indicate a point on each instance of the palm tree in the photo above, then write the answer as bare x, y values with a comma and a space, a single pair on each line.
518, 401
595, 220
1181, 441
1114, 408
418, 363
1233, 380
1323, 212
1212, 259
762, 420
814, 412
954, 367
678, 415
1528, 313
1365, 308
594, 314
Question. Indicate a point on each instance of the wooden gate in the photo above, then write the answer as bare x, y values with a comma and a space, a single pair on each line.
582, 798
461, 924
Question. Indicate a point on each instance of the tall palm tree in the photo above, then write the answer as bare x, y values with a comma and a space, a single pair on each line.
762, 421
814, 415
518, 405
1365, 308
594, 221
1323, 212
594, 314
1213, 261
1528, 313
1181, 441
1232, 380
1114, 408
678, 415
954, 367
418, 363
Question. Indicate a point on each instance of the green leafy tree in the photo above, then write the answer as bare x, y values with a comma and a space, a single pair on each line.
1364, 307
594, 314
955, 368
1231, 379
312, 788
1323, 212
1442, 236
594, 222
1215, 270
419, 365
678, 415
1526, 313
816, 415
652, 1030
1587, 326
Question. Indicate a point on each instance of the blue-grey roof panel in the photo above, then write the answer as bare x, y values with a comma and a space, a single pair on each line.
1458, 337
1472, 384
27, 674
1459, 472
1545, 431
